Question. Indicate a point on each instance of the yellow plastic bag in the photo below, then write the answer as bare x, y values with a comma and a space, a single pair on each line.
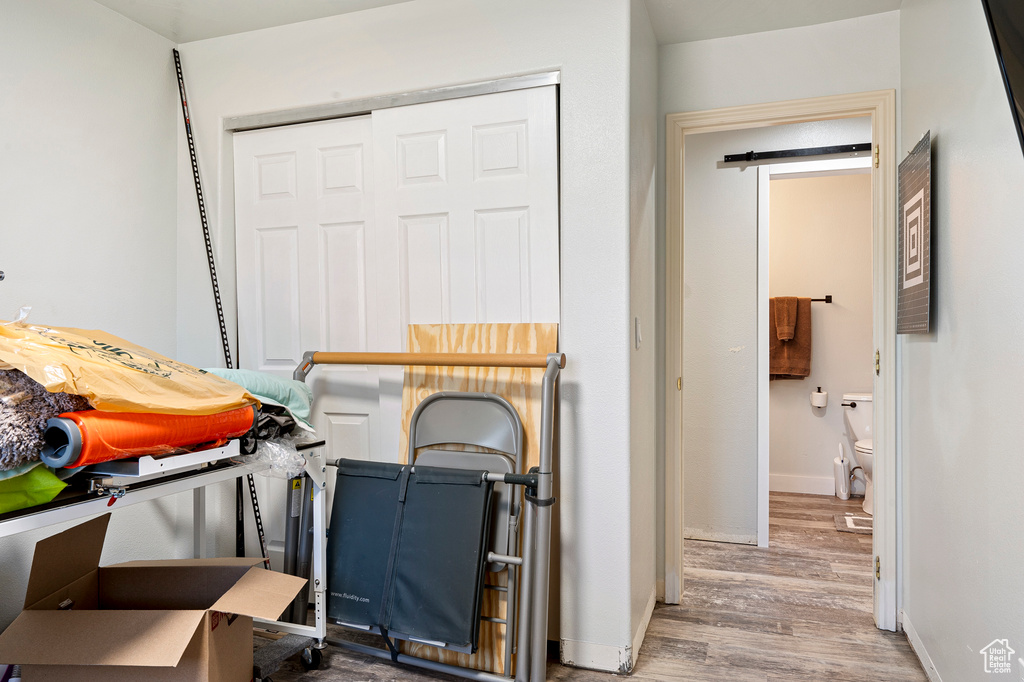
114, 374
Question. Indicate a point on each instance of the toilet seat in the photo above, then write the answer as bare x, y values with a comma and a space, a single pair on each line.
866, 446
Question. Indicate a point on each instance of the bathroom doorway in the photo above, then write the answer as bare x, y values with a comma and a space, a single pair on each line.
879, 107
814, 219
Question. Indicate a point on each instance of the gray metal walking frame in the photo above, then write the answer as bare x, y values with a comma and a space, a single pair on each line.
435, 422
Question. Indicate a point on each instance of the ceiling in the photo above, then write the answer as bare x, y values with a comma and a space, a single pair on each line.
183, 21
674, 21
682, 21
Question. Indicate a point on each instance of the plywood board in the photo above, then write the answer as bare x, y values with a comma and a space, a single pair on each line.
522, 388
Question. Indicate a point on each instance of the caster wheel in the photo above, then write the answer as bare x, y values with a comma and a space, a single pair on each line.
311, 659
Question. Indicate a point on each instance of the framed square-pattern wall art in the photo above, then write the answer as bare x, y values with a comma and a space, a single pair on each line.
913, 282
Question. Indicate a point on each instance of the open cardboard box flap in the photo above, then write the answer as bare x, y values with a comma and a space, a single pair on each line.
261, 594
66, 557
144, 638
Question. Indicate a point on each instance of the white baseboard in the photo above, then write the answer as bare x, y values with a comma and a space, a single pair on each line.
638, 637
918, 646
808, 485
670, 589
712, 536
593, 656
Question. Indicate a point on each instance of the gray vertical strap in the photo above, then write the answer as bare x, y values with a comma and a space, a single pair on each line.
386, 599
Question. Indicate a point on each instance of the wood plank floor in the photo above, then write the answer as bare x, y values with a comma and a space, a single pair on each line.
797, 611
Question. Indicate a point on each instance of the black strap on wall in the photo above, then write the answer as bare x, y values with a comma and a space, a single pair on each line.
202, 214
225, 345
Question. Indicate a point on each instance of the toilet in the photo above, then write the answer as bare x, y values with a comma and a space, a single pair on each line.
857, 415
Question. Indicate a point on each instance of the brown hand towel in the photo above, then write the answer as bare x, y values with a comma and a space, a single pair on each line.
790, 359
785, 316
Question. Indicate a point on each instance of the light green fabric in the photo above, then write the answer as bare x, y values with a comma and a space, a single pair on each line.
19, 470
36, 486
295, 396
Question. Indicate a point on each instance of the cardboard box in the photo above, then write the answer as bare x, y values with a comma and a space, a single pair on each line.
141, 620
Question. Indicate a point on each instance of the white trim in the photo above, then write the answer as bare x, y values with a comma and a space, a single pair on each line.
323, 112
860, 164
610, 658
805, 485
672, 586
712, 536
918, 646
881, 106
638, 636
886, 496
763, 402
594, 656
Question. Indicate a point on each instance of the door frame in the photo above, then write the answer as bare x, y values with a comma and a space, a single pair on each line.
881, 107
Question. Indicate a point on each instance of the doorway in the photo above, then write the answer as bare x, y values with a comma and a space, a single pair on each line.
814, 219
880, 108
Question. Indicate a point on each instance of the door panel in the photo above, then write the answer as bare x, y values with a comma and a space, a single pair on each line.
467, 194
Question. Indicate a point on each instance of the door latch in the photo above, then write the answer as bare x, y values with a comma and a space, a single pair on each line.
878, 568
878, 363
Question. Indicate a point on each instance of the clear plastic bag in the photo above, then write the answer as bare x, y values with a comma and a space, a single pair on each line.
282, 456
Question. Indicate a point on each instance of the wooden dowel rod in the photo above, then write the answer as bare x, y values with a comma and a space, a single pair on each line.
437, 359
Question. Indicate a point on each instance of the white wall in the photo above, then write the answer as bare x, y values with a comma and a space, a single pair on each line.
421, 45
962, 383
854, 55
820, 243
87, 184
87, 195
643, 133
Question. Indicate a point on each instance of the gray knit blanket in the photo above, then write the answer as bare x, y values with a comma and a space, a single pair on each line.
24, 408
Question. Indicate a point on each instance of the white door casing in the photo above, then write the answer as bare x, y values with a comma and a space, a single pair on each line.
881, 107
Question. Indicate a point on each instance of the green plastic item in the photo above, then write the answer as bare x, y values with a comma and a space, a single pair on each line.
38, 485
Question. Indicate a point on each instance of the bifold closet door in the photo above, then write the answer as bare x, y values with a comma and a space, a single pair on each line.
306, 259
467, 211
349, 230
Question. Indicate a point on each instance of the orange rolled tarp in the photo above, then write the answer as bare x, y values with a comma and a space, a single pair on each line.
80, 438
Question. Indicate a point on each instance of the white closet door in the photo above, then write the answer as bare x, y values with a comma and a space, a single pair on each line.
347, 231
467, 219
306, 259
467, 211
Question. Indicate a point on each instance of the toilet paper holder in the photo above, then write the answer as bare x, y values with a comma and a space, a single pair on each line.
819, 398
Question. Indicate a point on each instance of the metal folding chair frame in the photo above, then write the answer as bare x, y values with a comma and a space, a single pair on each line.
534, 560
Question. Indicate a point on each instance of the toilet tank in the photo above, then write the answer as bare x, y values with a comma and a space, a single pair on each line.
858, 419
